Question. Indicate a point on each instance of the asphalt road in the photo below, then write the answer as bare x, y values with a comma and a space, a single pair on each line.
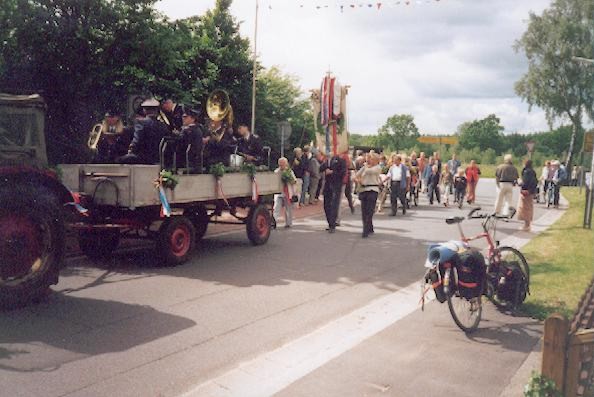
125, 327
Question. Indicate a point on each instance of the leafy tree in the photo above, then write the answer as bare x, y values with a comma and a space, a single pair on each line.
554, 82
399, 132
482, 134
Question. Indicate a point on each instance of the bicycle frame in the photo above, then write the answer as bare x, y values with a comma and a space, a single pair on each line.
491, 242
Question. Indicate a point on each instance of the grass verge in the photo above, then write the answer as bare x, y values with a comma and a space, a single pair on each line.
561, 262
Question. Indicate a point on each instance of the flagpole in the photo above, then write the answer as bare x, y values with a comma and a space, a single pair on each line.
255, 71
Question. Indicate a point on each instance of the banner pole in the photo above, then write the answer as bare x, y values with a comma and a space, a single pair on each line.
255, 71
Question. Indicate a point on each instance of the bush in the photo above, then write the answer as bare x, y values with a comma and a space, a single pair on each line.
488, 156
541, 386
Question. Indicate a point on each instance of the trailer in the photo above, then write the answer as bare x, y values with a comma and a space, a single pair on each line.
127, 201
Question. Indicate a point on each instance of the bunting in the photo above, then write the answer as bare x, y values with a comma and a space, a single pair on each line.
345, 6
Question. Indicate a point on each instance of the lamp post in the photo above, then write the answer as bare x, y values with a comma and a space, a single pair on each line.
590, 190
530, 146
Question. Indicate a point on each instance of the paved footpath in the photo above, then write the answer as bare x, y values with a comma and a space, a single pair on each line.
307, 314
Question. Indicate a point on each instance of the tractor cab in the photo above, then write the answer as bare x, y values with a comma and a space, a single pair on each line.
22, 139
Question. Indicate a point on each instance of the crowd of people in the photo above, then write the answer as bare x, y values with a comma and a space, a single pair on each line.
374, 178
401, 178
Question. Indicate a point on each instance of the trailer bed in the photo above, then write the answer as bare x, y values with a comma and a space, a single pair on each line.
133, 186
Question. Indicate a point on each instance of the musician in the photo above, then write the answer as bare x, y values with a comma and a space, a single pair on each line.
148, 133
114, 139
249, 145
191, 138
171, 115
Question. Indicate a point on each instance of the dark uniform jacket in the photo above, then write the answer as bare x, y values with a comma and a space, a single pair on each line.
339, 169
220, 151
148, 134
111, 148
173, 120
190, 145
299, 166
251, 146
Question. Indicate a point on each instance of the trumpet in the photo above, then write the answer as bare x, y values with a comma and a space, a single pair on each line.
95, 136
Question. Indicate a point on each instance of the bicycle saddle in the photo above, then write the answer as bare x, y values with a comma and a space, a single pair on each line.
456, 219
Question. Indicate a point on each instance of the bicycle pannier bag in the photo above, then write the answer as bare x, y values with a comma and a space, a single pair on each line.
471, 273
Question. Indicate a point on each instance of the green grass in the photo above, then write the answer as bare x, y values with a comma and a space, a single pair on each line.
487, 170
561, 262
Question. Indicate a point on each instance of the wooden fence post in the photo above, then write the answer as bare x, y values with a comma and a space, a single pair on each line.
576, 344
554, 347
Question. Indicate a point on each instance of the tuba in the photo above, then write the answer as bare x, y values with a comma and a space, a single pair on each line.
220, 113
95, 136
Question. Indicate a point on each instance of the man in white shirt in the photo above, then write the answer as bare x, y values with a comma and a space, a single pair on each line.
399, 175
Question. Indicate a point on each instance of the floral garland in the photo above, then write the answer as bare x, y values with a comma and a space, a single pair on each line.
217, 170
167, 179
288, 177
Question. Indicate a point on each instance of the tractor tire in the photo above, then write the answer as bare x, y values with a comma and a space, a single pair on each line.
32, 240
98, 244
176, 241
258, 224
199, 218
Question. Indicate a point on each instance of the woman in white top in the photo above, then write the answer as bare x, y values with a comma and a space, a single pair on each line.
284, 199
368, 179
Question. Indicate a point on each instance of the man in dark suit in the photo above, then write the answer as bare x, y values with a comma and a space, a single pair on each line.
148, 133
334, 168
190, 144
170, 114
249, 145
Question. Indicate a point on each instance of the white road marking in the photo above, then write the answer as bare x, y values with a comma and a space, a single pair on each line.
273, 371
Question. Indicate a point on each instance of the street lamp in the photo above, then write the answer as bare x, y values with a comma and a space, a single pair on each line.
590, 197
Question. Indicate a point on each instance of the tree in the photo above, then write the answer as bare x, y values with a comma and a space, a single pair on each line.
399, 132
482, 134
554, 82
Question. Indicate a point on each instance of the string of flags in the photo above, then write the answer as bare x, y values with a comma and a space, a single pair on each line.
350, 6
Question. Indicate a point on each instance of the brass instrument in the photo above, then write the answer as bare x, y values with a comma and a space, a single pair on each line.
102, 129
220, 113
95, 136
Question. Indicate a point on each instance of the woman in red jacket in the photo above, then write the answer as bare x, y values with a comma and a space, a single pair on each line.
473, 173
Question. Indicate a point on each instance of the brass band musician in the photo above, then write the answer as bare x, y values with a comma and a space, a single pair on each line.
110, 139
220, 143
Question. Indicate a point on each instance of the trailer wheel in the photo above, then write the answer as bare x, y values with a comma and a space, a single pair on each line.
31, 244
176, 240
258, 225
199, 218
98, 244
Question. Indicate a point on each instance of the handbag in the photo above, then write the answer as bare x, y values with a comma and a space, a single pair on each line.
294, 198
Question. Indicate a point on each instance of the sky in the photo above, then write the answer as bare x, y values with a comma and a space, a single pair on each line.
443, 61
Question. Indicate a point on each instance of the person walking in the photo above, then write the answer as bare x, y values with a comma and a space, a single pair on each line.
284, 199
527, 192
368, 179
574, 175
314, 174
453, 165
399, 176
433, 185
544, 181
447, 182
346, 187
427, 170
460, 184
334, 169
506, 177
473, 172
298, 166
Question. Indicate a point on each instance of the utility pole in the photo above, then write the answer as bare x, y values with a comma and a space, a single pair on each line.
590, 190
255, 71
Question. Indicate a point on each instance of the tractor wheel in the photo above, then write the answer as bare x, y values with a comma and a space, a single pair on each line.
199, 218
258, 224
98, 244
176, 241
31, 243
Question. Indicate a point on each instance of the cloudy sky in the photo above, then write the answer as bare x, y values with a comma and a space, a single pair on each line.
445, 62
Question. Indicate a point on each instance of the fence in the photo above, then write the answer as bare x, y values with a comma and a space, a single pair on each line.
568, 349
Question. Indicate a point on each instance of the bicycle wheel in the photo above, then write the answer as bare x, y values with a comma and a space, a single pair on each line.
511, 261
465, 312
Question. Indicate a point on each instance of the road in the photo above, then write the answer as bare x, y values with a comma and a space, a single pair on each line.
125, 327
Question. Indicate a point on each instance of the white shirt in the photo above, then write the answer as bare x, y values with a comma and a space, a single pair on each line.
395, 173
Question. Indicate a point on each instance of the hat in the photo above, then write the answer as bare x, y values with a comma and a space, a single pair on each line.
191, 112
112, 113
150, 103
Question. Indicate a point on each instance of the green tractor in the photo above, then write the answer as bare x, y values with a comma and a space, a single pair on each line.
33, 204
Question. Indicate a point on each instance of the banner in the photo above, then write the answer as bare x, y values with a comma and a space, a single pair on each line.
329, 105
348, 6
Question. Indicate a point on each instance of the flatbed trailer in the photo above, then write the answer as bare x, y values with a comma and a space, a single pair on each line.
123, 201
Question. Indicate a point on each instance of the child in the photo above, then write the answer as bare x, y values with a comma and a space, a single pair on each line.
447, 179
460, 186
433, 185
285, 198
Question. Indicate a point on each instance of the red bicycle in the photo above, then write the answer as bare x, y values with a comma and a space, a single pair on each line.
458, 273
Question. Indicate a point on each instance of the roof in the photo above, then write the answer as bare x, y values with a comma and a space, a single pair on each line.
34, 100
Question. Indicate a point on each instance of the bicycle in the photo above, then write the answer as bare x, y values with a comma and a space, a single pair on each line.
458, 273
552, 185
